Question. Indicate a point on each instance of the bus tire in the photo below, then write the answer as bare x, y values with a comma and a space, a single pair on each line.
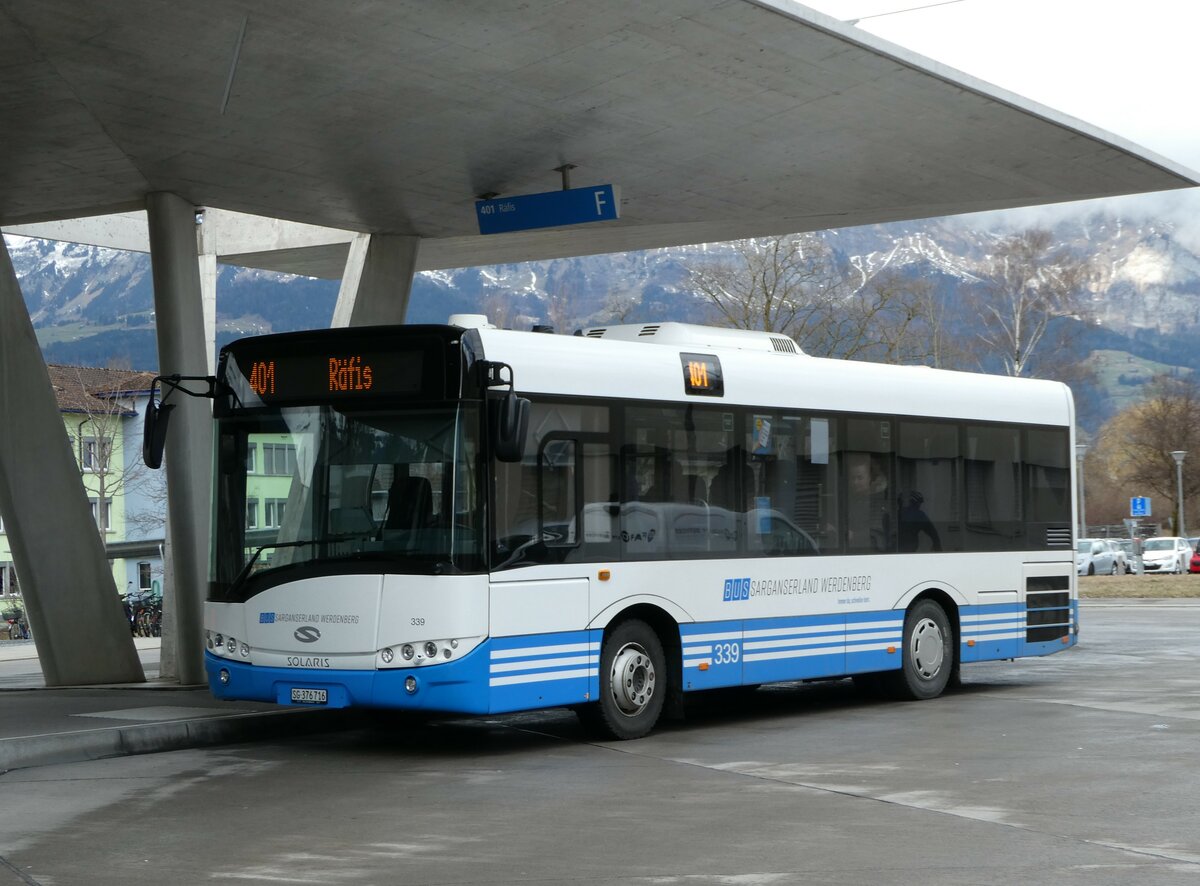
928, 654
633, 683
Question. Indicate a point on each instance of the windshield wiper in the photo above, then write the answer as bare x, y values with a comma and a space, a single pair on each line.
241, 576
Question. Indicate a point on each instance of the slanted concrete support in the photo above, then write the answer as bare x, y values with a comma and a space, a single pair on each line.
182, 346
70, 598
377, 282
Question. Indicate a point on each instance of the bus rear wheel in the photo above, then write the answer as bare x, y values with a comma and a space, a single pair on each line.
929, 660
633, 683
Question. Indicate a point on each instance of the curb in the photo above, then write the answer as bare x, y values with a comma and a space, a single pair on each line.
25, 752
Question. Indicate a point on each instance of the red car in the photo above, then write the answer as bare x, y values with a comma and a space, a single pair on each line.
1194, 566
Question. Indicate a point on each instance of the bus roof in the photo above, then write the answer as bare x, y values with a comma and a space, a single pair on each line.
627, 367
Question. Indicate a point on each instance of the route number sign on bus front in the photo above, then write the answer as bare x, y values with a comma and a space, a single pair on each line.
702, 375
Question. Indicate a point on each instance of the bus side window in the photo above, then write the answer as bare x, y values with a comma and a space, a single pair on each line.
927, 468
815, 508
789, 505
1047, 480
992, 489
870, 507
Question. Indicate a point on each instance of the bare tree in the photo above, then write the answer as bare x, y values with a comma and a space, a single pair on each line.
883, 321
796, 285
776, 284
1028, 283
620, 305
99, 404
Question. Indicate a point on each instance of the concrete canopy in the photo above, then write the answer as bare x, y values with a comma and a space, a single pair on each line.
719, 119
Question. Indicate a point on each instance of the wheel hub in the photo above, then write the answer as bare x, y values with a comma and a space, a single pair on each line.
632, 679
928, 648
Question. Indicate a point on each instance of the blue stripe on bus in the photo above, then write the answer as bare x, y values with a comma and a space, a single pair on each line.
501, 675
991, 632
546, 670
543, 670
789, 648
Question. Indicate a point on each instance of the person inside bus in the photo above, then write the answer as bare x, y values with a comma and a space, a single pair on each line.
914, 523
869, 525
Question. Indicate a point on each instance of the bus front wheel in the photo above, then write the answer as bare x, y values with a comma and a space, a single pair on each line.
928, 654
633, 683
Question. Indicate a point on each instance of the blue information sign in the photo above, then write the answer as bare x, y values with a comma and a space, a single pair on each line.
548, 210
1139, 506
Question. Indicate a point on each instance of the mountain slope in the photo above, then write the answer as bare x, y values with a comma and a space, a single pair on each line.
96, 306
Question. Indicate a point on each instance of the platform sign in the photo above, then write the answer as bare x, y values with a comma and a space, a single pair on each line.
1139, 506
549, 210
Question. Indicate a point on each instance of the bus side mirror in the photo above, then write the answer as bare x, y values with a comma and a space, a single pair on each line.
508, 420
154, 433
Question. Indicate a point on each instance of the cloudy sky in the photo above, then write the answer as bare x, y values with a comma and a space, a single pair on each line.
1126, 67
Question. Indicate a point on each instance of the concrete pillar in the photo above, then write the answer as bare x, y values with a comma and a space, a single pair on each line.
377, 282
208, 298
179, 316
168, 663
71, 601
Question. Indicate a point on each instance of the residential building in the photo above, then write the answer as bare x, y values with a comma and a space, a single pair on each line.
102, 411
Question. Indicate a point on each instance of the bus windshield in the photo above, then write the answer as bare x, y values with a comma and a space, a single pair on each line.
312, 490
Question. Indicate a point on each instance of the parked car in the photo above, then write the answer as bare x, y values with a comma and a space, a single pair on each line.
1114, 545
1130, 557
1093, 556
1195, 564
1166, 554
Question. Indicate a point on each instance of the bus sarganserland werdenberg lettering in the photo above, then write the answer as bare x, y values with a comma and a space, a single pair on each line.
466, 519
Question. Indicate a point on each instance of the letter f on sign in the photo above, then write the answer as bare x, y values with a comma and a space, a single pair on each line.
600, 202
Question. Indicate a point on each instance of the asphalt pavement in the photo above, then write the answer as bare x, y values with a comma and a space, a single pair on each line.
40, 725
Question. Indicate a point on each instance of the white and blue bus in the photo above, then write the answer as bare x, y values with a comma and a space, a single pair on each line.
663, 509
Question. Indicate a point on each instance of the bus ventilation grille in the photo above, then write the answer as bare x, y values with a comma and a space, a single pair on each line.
648, 330
783, 345
597, 333
1058, 537
1047, 608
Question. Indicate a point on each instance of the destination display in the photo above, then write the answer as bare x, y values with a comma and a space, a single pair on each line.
324, 376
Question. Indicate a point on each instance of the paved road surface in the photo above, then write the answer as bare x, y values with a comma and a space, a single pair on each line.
1075, 769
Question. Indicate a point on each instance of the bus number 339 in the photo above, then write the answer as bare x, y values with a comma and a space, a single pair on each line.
726, 653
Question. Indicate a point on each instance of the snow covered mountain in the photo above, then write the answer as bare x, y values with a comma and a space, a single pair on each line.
96, 306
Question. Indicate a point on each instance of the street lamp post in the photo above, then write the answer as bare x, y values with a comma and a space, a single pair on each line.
1080, 452
1178, 455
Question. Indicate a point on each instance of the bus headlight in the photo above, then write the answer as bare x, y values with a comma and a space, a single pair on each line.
387, 654
223, 676
410, 684
407, 652
431, 649
231, 645
245, 650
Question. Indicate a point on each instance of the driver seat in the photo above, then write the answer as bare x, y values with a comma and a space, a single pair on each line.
410, 504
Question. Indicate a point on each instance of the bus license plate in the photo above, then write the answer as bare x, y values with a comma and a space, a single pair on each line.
310, 696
